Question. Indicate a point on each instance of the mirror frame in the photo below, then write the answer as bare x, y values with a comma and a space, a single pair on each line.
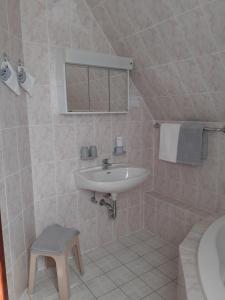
86, 58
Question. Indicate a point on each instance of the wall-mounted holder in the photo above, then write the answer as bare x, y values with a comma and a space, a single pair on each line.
21, 74
25, 79
15, 79
5, 72
119, 147
88, 153
8, 76
119, 151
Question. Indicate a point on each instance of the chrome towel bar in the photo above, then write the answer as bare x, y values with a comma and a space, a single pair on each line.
208, 129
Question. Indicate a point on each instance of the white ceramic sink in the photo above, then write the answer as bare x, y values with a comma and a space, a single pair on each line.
118, 178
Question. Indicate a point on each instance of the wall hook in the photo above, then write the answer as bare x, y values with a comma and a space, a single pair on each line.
21, 74
20, 63
5, 72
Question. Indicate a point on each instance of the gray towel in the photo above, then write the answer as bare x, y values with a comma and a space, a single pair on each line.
192, 146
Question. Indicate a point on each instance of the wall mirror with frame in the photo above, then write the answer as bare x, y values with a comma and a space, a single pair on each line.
93, 83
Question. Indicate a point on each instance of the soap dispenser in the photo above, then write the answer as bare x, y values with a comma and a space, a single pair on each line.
119, 147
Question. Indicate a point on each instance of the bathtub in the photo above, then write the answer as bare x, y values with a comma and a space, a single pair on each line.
211, 260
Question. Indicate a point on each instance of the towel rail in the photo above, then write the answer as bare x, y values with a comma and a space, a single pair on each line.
208, 129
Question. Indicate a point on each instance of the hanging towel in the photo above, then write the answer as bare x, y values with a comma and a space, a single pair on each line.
192, 144
169, 134
25, 80
9, 77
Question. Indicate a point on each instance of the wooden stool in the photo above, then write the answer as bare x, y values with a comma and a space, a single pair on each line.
55, 242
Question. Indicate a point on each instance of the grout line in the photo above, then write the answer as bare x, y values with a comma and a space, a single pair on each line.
172, 61
174, 15
140, 256
111, 49
105, 273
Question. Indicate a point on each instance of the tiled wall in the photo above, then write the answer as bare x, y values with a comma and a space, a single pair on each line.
16, 193
183, 195
178, 48
56, 139
201, 187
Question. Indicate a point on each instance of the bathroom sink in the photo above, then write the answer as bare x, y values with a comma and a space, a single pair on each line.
118, 178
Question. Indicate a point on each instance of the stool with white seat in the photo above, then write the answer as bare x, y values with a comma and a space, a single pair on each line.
55, 242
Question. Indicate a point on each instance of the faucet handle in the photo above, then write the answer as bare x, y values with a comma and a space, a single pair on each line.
105, 161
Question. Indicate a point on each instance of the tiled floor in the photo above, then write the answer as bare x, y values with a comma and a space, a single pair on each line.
141, 266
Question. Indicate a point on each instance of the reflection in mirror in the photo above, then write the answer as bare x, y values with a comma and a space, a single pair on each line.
77, 88
96, 89
99, 89
118, 90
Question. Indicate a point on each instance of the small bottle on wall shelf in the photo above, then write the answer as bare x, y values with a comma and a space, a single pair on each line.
119, 147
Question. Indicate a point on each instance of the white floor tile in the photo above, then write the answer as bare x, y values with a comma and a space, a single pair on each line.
53, 297
154, 296
125, 255
141, 248
38, 296
168, 292
120, 275
74, 278
41, 276
51, 272
114, 295
100, 285
97, 253
144, 235
170, 269
114, 247
156, 242
155, 279
139, 266
129, 240
81, 292
169, 251
132, 268
108, 263
156, 259
25, 296
136, 289
44, 288
86, 259
91, 271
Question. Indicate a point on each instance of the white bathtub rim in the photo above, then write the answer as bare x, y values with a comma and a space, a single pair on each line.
210, 279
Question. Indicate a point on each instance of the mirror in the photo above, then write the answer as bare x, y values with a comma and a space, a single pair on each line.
96, 89
118, 90
77, 88
99, 89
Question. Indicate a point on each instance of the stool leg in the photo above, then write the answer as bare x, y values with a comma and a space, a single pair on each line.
32, 272
63, 276
78, 256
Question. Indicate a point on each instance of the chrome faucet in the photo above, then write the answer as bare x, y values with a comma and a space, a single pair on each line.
106, 164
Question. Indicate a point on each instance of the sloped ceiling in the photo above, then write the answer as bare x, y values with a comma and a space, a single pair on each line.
179, 51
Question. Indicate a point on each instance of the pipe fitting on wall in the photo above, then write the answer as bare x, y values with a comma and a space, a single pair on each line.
110, 204
93, 198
